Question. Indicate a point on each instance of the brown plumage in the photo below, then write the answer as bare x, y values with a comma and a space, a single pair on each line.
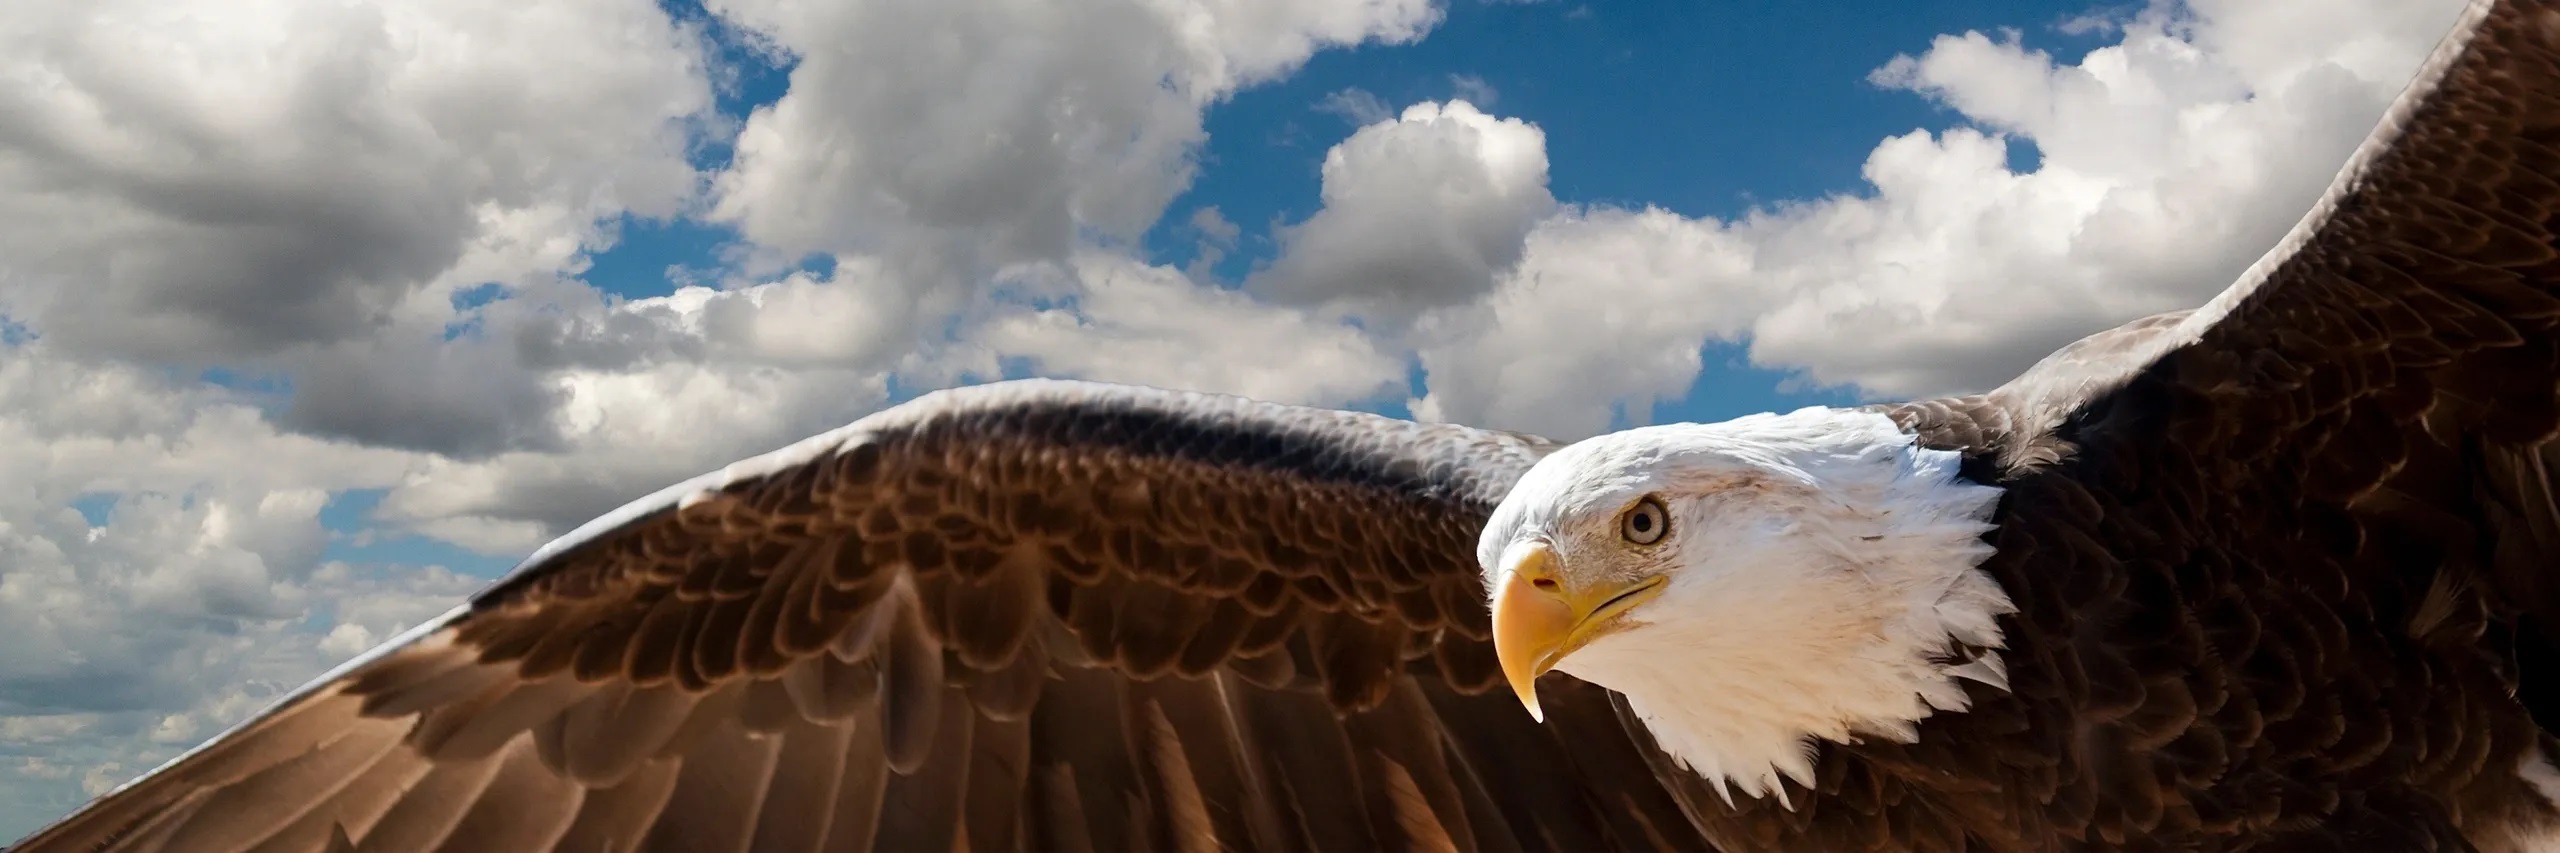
2284, 570
1053, 616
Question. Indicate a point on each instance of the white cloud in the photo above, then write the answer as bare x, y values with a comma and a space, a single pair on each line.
1214, 227
491, 141
1216, 236
210, 672
1024, 135
1356, 105
293, 189
755, 368
193, 601
1150, 325
629, 432
1419, 212
76, 429
1601, 316
652, 391
215, 180
296, 188
1044, 126
2169, 162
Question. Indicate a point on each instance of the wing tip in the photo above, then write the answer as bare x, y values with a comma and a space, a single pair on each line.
2377, 143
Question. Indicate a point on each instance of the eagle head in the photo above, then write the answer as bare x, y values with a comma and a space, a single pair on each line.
1751, 585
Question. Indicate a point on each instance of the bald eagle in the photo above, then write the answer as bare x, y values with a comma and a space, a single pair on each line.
2277, 573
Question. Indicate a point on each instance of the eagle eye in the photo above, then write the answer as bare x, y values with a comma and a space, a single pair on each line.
1646, 522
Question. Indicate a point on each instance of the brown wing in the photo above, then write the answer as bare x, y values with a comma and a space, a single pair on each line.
2289, 560
1035, 615
2426, 273
2412, 317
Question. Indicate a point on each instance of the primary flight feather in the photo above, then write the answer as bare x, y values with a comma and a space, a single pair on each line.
2279, 573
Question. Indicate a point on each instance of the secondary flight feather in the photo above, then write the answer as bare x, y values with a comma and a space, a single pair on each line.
2275, 573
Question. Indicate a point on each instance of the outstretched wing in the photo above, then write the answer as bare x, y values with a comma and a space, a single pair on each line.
2351, 441
2424, 276
1034, 615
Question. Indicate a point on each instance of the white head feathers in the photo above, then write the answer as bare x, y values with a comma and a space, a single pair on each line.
1821, 571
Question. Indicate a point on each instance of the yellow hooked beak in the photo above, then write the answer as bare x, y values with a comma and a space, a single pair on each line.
1539, 616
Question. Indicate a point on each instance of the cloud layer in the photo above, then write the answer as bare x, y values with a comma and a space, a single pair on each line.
2167, 163
262, 259
184, 184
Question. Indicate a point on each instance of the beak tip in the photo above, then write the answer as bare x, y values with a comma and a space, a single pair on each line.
1528, 622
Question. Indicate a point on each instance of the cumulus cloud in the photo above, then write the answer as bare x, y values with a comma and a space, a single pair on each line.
1046, 125
311, 218
1026, 135
767, 364
296, 189
2169, 162
1603, 316
629, 432
1151, 325
1419, 212
1021, 135
193, 182
422, 391
193, 599
209, 672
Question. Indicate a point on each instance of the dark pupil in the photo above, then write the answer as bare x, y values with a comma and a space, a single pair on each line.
1643, 522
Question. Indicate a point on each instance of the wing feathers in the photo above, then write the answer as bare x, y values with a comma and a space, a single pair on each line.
987, 618
923, 811
1415, 820
859, 791
769, 707
425, 816
152, 833
525, 806
617, 817
759, 645
715, 641
1046, 615
1082, 764
706, 712
431, 674
1176, 793
999, 768
1178, 728
719, 792
827, 688
477, 726
799, 803
610, 734
1402, 745
359, 805
247, 812
912, 682
1151, 624
1303, 755
1011, 692
1057, 812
